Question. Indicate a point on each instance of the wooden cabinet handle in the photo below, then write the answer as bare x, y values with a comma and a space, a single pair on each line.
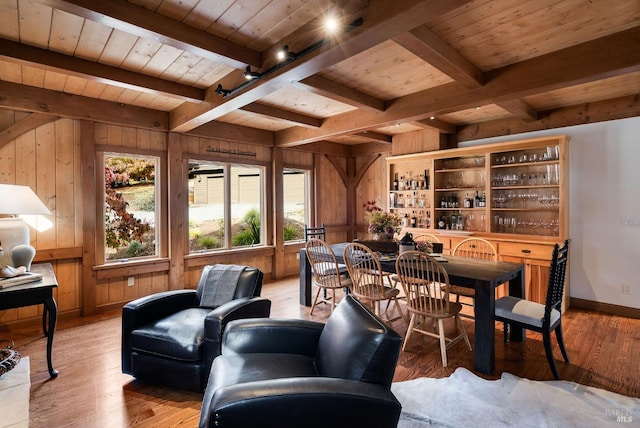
526, 251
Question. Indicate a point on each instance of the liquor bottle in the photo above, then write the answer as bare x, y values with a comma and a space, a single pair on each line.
419, 223
401, 183
407, 183
405, 220
413, 219
427, 221
467, 201
483, 200
426, 178
414, 200
476, 200
395, 181
443, 202
442, 223
414, 183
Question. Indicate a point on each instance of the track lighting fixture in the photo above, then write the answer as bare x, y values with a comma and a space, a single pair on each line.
250, 75
223, 92
284, 58
285, 55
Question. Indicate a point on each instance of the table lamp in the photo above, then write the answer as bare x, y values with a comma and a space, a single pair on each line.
16, 200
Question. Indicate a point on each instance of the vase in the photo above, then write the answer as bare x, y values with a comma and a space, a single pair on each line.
22, 255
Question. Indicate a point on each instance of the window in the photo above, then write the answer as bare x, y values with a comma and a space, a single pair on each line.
225, 205
295, 196
130, 209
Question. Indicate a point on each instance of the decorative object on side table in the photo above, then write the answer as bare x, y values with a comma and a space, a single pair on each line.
382, 225
22, 255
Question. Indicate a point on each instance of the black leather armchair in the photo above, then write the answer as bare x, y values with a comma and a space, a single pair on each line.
172, 337
299, 373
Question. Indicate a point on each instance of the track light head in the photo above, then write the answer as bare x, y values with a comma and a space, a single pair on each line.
223, 92
250, 75
285, 55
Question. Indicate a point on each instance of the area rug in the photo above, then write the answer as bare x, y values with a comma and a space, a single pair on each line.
466, 400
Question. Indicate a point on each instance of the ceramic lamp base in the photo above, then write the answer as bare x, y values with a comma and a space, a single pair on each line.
13, 232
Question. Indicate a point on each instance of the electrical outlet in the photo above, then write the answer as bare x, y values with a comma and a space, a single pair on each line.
631, 221
131, 281
626, 289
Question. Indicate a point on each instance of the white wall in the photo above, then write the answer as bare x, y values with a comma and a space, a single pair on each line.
604, 167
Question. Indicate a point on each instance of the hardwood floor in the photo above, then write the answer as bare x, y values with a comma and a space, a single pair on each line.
92, 392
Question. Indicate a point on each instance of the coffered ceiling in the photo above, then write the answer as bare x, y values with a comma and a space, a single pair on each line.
470, 69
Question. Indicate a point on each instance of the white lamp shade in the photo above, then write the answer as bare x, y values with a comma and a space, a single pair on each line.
15, 199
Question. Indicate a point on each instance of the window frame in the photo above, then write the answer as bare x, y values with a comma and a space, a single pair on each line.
308, 179
161, 204
227, 165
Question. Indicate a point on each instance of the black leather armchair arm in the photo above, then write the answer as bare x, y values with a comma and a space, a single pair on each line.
294, 402
269, 335
216, 321
147, 309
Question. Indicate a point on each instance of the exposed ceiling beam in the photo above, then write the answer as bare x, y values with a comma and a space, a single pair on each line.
325, 148
339, 92
375, 137
235, 133
23, 126
519, 109
431, 48
387, 19
600, 111
48, 60
369, 149
443, 127
608, 56
286, 115
29, 98
142, 22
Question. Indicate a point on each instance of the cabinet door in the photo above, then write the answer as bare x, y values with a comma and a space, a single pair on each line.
536, 277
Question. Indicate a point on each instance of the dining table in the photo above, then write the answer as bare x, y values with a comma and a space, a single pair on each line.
481, 275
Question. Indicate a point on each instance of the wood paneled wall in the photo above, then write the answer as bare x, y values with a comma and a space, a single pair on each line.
49, 159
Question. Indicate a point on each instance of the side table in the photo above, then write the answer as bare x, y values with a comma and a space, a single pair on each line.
36, 293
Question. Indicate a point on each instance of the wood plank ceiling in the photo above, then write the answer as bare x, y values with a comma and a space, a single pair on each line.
470, 69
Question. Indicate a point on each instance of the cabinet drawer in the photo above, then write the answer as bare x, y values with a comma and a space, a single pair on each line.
518, 249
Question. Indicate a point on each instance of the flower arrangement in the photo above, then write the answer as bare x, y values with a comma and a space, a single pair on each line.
424, 246
380, 221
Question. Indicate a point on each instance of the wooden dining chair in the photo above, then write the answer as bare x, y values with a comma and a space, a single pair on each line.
367, 281
315, 232
522, 313
426, 237
327, 273
426, 285
474, 248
